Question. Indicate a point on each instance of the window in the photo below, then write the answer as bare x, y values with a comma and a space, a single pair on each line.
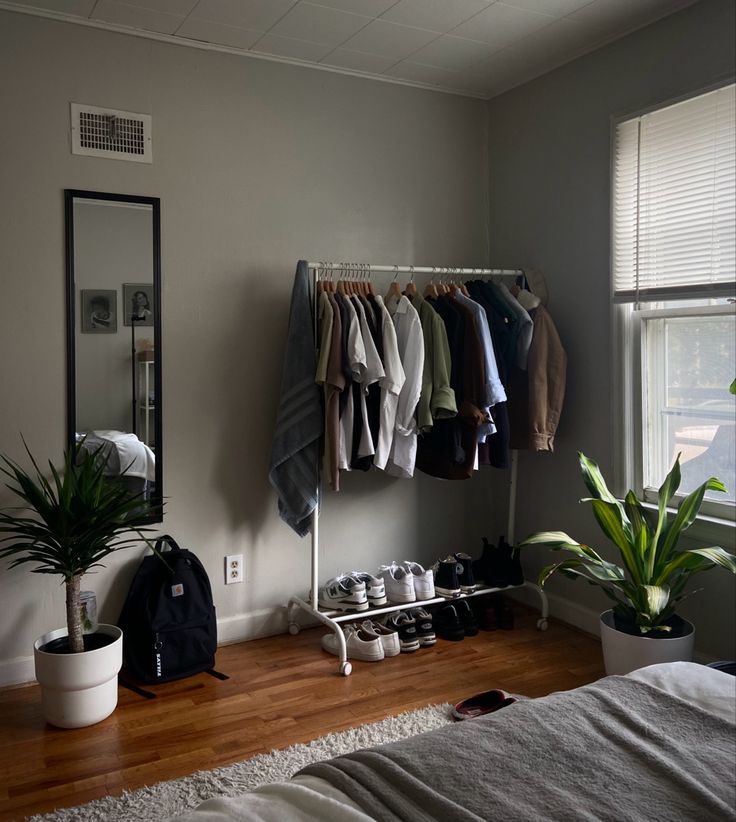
673, 263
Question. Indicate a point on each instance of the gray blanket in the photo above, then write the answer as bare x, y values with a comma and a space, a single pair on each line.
614, 750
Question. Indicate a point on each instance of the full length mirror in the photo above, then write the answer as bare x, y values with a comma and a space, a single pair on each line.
114, 336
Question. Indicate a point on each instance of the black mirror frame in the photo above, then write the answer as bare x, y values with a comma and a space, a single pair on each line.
71, 411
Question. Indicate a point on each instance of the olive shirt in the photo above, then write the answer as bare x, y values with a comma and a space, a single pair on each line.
437, 399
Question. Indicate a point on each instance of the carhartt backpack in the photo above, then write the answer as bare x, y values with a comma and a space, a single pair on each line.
168, 619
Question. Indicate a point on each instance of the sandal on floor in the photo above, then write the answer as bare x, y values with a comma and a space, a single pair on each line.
481, 704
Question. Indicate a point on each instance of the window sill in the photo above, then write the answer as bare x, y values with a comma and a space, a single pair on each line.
712, 530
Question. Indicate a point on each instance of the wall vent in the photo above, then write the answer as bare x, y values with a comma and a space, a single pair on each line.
105, 132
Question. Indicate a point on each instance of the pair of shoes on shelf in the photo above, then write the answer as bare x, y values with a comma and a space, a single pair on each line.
494, 612
368, 641
406, 582
499, 566
481, 704
454, 576
455, 621
353, 591
415, 628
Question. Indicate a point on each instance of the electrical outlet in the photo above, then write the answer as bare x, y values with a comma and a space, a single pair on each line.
234, 569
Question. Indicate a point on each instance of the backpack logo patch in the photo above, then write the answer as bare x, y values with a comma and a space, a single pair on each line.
177, 590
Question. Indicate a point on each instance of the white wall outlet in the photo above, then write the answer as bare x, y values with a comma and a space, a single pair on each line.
234, 569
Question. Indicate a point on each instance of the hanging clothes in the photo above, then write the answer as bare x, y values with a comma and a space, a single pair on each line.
334, 387
294, 463
410, 341
391, 385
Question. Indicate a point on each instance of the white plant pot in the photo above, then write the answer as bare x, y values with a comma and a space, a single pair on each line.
623, 653
79, 689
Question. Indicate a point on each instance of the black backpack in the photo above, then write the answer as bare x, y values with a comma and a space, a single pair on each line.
168, 619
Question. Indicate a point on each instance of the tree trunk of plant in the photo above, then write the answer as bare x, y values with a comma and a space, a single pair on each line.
74, 614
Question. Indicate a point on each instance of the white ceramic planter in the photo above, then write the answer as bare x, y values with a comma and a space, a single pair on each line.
79, 689
623, 653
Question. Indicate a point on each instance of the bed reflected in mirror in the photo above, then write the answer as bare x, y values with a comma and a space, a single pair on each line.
114, 337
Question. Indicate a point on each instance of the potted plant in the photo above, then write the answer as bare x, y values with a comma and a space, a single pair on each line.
67, 524
642, 628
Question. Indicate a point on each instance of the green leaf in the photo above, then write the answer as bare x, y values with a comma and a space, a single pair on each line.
686, 515
618, 529
696, 559
657, 597
594, 479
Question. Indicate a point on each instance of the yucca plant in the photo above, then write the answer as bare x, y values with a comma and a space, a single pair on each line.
654, 574
68, 523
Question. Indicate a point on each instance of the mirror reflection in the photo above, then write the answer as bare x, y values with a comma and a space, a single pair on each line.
114, 381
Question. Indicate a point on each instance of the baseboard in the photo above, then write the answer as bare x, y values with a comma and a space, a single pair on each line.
17, 671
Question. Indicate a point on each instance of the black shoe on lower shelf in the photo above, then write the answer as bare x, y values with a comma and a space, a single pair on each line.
447, 624
467, 617
425, 626
465, 575
407, 630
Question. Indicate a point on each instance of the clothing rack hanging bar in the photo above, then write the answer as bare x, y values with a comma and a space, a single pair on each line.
370, 268
333, 619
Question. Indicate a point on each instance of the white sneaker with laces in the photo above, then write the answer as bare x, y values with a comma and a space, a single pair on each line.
343, 593
374, 587
423, 580
399, 583
389, 639
360, 644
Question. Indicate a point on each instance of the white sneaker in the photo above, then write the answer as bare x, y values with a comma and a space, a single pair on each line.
399, 583
374, 587
360, 644
389, 639
343, 593
423, 580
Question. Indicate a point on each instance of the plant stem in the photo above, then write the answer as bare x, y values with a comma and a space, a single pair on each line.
73, 614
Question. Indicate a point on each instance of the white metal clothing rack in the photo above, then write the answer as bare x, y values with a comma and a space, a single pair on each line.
333, 619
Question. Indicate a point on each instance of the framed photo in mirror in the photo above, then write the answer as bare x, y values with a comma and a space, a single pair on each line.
99, 311
138, 302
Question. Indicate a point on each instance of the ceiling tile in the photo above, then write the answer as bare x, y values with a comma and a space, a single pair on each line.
259, 15
124, 15
358, 61
454, 53
621, 15
216, 33
437, 15
290, 47
318, 24
371, 8
562, 39
500, 24
557, 8
417, 73
389, 39
474, 83
79, 8
166, 6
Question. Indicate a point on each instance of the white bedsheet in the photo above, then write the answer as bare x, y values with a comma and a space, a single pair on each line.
310, 799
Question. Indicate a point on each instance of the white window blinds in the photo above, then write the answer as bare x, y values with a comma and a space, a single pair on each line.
674, 201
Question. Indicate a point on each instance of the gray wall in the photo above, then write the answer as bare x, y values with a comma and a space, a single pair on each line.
549, 155
257, 164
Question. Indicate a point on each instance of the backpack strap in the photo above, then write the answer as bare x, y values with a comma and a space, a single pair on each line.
164, 540
124, 683
216, 674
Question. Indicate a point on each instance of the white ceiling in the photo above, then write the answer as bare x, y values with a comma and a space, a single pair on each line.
473, 47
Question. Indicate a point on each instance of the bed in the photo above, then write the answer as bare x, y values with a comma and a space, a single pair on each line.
659, 743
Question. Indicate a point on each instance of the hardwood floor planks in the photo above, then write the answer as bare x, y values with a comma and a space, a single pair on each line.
282, 690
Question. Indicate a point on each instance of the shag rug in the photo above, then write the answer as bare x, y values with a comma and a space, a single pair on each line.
166, 799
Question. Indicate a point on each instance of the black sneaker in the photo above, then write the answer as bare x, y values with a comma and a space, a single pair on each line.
407, 629
425, 626
445, 578
466, 617
465, 575
447, 624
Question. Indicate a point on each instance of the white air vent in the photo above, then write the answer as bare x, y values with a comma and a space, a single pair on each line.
104, 132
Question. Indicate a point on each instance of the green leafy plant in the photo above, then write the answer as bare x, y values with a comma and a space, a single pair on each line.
654, 574
69, 523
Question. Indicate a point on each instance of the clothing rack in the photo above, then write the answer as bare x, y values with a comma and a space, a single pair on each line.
332, 619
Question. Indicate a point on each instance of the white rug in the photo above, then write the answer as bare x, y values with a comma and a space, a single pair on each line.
168, 798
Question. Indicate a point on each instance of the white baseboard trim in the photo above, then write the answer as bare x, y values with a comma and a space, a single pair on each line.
17, 671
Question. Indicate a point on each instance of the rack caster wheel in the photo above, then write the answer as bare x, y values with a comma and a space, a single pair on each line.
346, 669
542, 625
294, 628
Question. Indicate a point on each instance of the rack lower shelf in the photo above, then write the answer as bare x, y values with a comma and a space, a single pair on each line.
333, 619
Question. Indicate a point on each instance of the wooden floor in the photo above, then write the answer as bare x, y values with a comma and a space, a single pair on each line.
282, 690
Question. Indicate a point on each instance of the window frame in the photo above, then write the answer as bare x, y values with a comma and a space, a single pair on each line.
716, 521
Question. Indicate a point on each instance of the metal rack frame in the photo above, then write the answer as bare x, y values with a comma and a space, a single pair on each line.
333, 619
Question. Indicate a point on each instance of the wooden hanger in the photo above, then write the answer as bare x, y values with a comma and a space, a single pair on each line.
431, 289
394, 290
410, 289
